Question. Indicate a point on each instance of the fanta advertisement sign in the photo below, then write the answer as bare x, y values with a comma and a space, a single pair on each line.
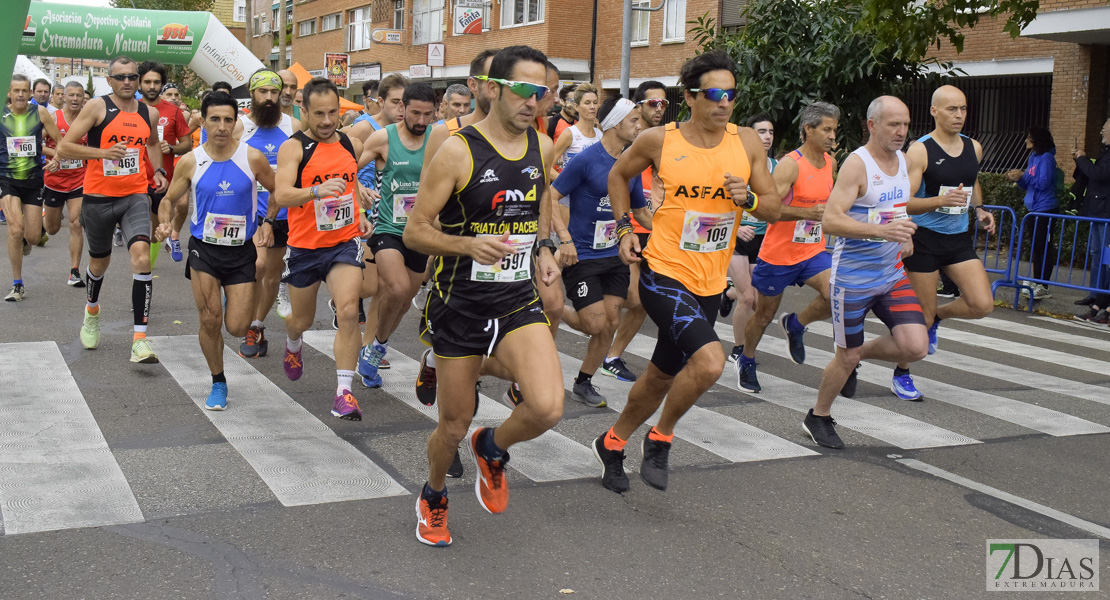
174, 34
468, 21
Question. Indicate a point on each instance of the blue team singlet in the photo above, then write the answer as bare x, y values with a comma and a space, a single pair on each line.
225, 199
267, 140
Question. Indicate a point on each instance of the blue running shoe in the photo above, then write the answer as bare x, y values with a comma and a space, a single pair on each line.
903, 387
368, 361
746, 378
2, 219
794, 338
175, 250
933, 336
217, 399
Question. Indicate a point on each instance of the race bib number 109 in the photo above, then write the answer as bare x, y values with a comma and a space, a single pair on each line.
706, 232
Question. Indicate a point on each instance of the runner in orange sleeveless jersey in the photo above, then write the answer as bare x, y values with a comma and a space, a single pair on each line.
706, 165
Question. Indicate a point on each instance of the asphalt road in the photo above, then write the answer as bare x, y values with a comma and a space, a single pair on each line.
1009, 444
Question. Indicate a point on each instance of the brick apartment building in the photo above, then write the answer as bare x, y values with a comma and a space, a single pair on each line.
1056, 74
563, 30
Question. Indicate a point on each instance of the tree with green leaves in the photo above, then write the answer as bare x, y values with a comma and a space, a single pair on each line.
793, 52
90, 87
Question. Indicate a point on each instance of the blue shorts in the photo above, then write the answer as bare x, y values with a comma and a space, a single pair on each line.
306, 266
772, 280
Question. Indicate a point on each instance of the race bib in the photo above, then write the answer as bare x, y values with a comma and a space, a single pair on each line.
128, 165
882, 216
334, 213
225, 230
749, 220
402, 206
22, 146
706, 232
516, 266
67, 164
954, 210
807, 232
161, 128
605, 235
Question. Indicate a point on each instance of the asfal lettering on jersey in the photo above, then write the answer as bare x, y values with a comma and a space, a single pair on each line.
348, 177
701, 191
512, 203
127, 139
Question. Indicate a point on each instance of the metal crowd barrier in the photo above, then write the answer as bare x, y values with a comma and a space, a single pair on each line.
1071, 241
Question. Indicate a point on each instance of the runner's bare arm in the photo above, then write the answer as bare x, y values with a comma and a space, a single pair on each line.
360, 130
377, 146
850, 186
547, 268
561, 146
181, 130
71, 146
50, 125
985, 217
785, 175
261, 168
760, 181
643, 153
285, 195
448, 172
154, 152
435, 140
175, 203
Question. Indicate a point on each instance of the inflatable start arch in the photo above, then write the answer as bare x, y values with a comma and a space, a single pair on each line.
196, 39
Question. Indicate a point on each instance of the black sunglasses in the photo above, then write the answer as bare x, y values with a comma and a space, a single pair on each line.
128, 77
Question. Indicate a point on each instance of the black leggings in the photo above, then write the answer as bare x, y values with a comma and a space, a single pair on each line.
685, 320
1042, 251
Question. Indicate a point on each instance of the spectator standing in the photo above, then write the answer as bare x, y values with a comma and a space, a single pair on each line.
1039, 182
1097, 205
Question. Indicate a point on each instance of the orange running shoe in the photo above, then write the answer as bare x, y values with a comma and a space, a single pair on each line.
431, 521
490, 485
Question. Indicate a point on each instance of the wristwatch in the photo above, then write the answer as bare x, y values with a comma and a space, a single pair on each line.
160, 170
545, 243
269, 221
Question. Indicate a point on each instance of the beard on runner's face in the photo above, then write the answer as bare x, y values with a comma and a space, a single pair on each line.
266, 114
416, 129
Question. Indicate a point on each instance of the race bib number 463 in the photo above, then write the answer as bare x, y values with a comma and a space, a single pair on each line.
128, 165
707, 232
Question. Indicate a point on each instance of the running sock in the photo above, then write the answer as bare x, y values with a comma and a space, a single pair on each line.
433, 496
612, 442
582, 377
256, 324
92, 285
141, 289
793, 324
487, 448
430, 362
17, 282
899, 371
219, 378
655, 436
610, 359
384, 345
139, 335
345, 378
293, 346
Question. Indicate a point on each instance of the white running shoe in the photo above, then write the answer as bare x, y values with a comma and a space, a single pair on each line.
284, 308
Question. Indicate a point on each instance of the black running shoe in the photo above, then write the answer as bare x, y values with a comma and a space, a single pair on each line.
455, 471
746, 378
426, 381
736, 352
726, 302
822, 431
794, 339
653, 469
849, 389
613, 476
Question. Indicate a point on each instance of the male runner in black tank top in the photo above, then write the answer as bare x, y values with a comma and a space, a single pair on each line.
484, 301
944, 172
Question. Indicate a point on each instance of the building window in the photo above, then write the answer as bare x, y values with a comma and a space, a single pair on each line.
240, 11
258, 25
427, 21
331, 22
521, 12
641, 22
674, 21
398, 14
306, 27
359, 38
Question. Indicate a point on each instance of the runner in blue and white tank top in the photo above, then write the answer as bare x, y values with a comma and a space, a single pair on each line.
266, 128
222, 175
867, 212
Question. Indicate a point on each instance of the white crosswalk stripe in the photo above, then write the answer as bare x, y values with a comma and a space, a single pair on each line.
300, 458
56, 470
1037, 418
550, 457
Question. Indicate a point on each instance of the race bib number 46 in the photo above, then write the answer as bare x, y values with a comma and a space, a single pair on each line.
128, 165
807, 232
516, 266
334, 213
22, 146
707, 232
225, 230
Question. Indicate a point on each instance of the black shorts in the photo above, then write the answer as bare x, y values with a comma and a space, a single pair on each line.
28, 191
454, 335
55, 199
155, 199
932, 250
685, 319
306, 266
230, 265
643, 237
749, 248
588, 281
281, 231
414, 261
